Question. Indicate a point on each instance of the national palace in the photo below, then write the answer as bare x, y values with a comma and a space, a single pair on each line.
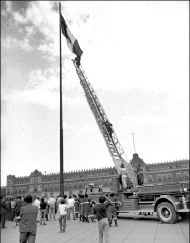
39, 184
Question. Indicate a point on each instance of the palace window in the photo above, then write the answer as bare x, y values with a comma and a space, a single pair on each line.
80, 186
178, 176
186, 175
159, 178
150, 179
9, 183
110, 182
169, 177
70, 186
105, 183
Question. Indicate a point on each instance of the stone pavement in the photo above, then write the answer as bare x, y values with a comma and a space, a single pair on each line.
130, 230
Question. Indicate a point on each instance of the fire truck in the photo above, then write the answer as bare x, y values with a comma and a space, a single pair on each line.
168, 201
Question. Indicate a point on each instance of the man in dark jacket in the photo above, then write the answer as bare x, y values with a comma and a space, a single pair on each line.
28, 223
140, 177
100, 210
18, 205
3, 212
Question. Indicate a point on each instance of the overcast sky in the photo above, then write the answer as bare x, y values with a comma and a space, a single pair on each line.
136, 56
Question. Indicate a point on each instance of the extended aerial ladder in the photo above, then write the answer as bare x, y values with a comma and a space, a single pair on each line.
114, 147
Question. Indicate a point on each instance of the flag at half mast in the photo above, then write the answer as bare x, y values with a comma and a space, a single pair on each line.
71, 40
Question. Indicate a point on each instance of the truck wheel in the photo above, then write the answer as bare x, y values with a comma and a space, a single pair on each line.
166, 213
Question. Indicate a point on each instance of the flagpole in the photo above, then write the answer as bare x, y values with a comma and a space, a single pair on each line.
61, 116
134, 143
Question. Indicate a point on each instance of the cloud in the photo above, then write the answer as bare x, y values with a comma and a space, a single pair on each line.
13, 43
8, 6
19, 18
43, 88
40, 96
38, 17
44, 79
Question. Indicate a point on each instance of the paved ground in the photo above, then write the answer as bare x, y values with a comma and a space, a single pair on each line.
130, 230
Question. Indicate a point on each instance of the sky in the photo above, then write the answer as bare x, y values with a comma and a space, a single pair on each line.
135, 55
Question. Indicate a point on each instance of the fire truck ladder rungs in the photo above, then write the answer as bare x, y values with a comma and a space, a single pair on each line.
114, 147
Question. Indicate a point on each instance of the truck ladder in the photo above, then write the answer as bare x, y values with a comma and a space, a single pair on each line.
114, 147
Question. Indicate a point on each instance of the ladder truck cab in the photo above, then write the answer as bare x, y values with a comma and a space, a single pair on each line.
94, 192
167, 201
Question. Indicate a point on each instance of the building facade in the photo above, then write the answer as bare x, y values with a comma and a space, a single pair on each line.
39, 184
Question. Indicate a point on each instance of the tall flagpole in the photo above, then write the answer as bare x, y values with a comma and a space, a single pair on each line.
61, 116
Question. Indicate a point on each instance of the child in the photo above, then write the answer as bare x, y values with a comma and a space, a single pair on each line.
17, 220
62, 210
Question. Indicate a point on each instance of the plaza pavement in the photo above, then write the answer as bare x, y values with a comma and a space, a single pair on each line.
138, 229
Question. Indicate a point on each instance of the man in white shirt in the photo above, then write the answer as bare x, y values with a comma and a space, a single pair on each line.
71, 207
37, 203
62, 210
51, 203
122, 176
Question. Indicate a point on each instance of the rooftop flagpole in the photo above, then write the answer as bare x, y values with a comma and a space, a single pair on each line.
134, 143
61, 115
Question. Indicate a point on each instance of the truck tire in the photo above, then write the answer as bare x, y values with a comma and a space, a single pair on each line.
166, 213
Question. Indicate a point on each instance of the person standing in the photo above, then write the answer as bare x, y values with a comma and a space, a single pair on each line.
122, 176
37, 203
81, 209
18, 207
43, 207
71, 208
140, 177
47, 209
13, 208
76, 206
80, 200
65, 198
86, 208
100, 212
28, 222
3, 212
8, 206
112, 210
51, 203
62, 210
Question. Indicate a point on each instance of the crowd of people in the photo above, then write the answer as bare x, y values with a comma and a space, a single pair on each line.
27, 212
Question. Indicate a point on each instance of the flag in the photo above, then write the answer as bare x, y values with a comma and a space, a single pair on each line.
71, 40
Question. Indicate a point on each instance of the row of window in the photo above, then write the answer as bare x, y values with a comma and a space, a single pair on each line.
56, 178
169, 177
67, 186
